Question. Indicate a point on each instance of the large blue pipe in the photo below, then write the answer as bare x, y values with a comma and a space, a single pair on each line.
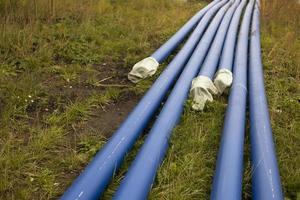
203, 88
265, 174
223, 77
137, 182
167, 48
210, 64
227, 56
94, 179
227, 182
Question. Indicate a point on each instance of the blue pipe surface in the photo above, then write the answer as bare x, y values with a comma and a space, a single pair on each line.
139, 179
167, 48
92, 182
227, 56
212, 59
227, 182
266, 182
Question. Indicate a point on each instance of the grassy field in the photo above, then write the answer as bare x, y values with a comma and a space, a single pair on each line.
64, 90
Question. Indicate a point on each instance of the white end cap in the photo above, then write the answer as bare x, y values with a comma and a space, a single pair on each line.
201, 91
143, 69
223, 80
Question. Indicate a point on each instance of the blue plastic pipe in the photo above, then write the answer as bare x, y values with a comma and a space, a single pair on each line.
92, 182
265, 174
139, 179
166, 49
211, 61
227, 56
227, 182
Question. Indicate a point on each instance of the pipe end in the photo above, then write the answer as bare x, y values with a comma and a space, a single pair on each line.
202, 90
223, 80
143, 69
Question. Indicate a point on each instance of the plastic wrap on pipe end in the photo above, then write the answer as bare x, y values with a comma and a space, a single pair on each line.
202, 90
223, 80
143, 69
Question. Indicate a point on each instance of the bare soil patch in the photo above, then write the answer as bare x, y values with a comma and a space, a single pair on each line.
106, 120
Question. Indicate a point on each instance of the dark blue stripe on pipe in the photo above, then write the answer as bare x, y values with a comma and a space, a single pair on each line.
227, 183
137, 182
94, 179
166, 49
227, 56
210, 64
265, 174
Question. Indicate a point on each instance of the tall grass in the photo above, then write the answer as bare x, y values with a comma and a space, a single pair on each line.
30, 11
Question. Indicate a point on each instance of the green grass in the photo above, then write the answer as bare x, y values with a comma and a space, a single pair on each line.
61, 64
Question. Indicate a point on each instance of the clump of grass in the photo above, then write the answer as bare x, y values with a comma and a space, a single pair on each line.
188, 168
26, 11
36, 163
